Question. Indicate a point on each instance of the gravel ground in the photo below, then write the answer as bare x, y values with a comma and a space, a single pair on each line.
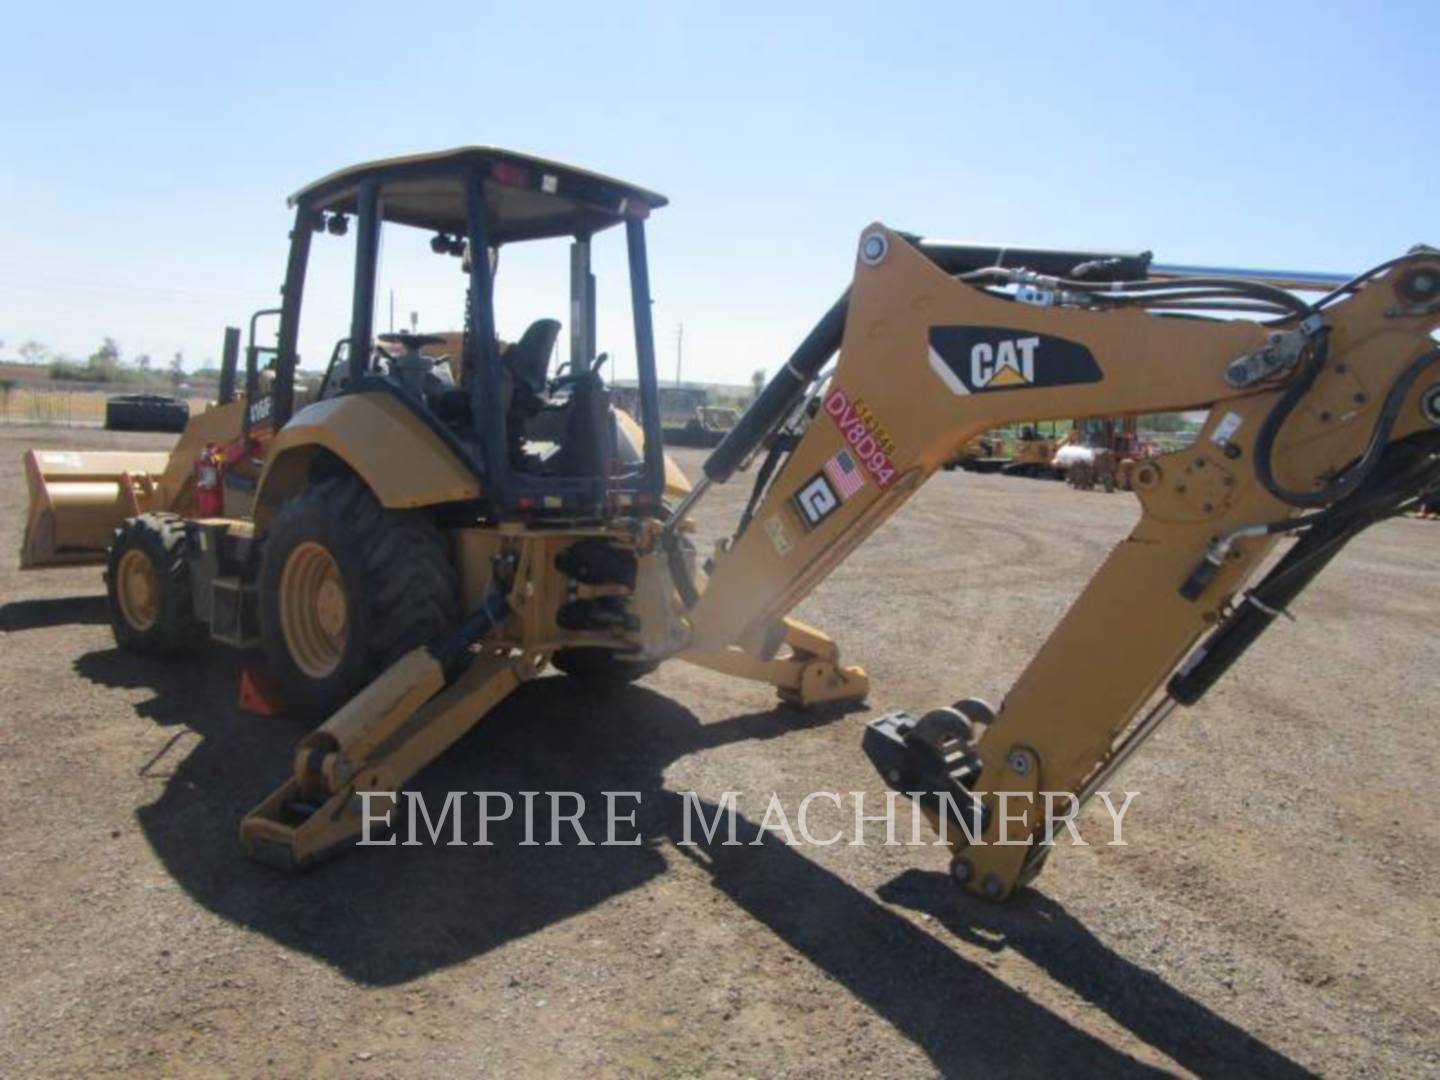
1275, 912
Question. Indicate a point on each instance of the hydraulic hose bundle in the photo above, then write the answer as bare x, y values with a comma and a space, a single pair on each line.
1352, 478
1400, 475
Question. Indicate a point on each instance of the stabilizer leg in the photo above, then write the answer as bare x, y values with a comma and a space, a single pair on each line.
811, 675
377, 741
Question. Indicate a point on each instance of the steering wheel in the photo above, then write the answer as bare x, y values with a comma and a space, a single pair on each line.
411, 342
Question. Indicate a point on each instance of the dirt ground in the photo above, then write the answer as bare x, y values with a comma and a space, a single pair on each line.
1275, 912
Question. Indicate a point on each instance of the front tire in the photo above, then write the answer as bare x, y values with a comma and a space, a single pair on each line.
147, 586
346, 589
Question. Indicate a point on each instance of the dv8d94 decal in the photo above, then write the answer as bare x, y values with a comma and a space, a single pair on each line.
865, 455
864, 433
972, 359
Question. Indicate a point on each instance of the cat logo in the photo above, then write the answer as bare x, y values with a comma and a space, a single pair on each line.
970, 359
1006, 363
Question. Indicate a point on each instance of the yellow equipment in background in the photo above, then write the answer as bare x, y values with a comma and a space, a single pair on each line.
982, 454
1033, 452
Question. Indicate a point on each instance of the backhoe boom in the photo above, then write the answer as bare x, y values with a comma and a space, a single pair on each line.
928, 360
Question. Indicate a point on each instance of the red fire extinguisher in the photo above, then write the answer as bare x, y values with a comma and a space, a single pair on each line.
209, 497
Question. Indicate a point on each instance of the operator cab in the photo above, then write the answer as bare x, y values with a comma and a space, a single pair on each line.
542, 435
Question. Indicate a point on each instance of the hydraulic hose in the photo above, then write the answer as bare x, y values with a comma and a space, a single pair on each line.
1155, 292
1353, 477
1360, 279
1228, 643
452, 650
1092, 265
1407, 469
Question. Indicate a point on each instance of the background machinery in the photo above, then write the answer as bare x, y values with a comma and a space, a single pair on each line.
1114, 447
704, 429
417, 546
78, 498
1033, 450
1093, 451
982, 454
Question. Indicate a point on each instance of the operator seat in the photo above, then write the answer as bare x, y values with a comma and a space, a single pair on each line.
524, 369
529, 358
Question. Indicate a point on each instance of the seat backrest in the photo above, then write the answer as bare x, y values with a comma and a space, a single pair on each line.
529, 358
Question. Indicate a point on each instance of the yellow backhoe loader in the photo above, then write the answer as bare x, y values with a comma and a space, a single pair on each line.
982, 454
418, 546
1033, 451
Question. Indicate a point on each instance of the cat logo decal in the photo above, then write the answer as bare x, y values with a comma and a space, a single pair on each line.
972, 359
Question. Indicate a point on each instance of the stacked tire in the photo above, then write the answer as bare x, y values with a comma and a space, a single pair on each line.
146, 412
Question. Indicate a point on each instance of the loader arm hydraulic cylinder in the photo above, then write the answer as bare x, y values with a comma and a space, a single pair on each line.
781, 394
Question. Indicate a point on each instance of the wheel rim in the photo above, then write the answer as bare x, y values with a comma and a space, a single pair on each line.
137, 590
314, 614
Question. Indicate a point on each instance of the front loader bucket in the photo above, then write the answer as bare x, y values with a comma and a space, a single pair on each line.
78, 498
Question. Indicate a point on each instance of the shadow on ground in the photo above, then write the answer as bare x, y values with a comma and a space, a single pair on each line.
53, 611
553, 736
1137, 999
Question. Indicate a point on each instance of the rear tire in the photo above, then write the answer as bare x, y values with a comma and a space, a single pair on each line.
147, 586
346, 589
601, 666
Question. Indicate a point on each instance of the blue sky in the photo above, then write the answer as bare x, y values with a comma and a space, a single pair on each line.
150, 148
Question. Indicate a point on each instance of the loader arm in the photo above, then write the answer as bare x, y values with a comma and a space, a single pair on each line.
928, 361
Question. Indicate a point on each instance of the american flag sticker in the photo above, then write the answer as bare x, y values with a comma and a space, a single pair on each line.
844, 473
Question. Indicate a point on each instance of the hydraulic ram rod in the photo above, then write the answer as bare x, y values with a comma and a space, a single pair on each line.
1296, 280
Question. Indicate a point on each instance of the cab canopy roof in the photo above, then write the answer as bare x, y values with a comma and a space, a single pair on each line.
527, 198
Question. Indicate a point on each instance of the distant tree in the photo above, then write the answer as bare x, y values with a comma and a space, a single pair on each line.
757, 381
6, 385
105, 361
64, 367
1168, 422
143, 362
177, 368
32, 352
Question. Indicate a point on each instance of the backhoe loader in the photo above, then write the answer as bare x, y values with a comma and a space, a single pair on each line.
1033, 451
418, 546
